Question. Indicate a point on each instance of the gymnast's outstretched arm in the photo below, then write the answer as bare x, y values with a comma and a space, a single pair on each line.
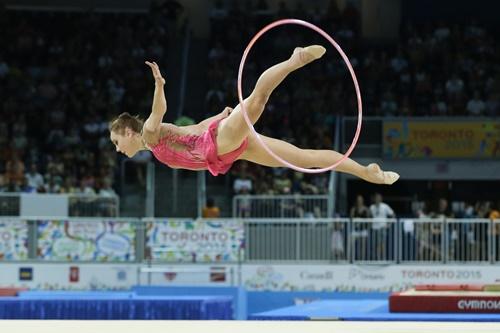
159, 107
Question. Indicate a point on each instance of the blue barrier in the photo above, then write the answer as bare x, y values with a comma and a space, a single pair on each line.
99, 305
262, 301
238, 294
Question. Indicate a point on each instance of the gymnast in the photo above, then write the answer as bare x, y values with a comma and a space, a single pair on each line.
216, 142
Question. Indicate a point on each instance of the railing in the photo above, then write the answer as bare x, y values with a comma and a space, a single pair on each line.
72, 205
296, 240
281, 206
93, 205
378, 241
340, 240
373, 240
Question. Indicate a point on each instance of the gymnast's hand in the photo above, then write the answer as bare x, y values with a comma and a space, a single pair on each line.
227, 111
156, 72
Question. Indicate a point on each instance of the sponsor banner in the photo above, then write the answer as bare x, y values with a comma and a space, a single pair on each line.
439, 139
47, 276
196, 275
26, 274
467, 302
361, 278
74, 274
479, 305
195, 240
86, 240
13, 239
349, 278
87, 276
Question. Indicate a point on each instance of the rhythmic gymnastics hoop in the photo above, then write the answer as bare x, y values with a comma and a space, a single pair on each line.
354, 79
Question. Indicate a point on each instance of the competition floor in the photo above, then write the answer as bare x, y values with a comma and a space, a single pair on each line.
365, 310
47, 326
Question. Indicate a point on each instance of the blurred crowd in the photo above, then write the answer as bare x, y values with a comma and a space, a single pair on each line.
435, 69
60, 84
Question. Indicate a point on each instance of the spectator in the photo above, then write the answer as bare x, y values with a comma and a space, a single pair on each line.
476, 106
469, 211
379, 209
389, 106
210, 210
483, 209
361, 228
24, 187
378, 234
454, 86
14, 169
495, 212
244, 203
282, 183
243, 183
3, 186
360, 209
492, 105
337, 241
69, 185
107, 202
399, 62
443, 210
34, 178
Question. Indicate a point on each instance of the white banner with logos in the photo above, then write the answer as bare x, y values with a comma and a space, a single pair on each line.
362, 278
52, 276
253, 277
48, 276
195, 275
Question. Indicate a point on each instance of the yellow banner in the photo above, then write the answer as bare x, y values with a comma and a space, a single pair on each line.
441, 139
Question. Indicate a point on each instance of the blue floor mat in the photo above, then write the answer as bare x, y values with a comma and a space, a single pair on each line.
366, 310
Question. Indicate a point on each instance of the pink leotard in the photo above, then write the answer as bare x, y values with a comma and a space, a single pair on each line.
200, 152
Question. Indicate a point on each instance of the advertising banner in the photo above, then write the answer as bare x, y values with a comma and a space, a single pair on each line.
13, 239
86, 240
195, 240
440, 139
366, 278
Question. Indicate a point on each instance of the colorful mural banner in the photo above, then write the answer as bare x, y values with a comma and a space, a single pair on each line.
86, 240
441, 139
13, 240
195, 240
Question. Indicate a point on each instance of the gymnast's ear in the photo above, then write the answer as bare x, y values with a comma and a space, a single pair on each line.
129, 132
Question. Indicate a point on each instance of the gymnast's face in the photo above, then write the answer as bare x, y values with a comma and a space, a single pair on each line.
125, 143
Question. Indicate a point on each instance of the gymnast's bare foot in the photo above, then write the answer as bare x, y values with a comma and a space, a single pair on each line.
303, 55
375, 175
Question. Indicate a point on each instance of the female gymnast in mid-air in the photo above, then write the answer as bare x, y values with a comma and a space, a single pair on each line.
217, 142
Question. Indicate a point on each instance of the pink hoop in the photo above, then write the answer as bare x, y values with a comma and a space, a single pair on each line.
349, 66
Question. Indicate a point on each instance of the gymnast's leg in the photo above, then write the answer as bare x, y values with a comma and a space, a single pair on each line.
310, 158
233, 129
